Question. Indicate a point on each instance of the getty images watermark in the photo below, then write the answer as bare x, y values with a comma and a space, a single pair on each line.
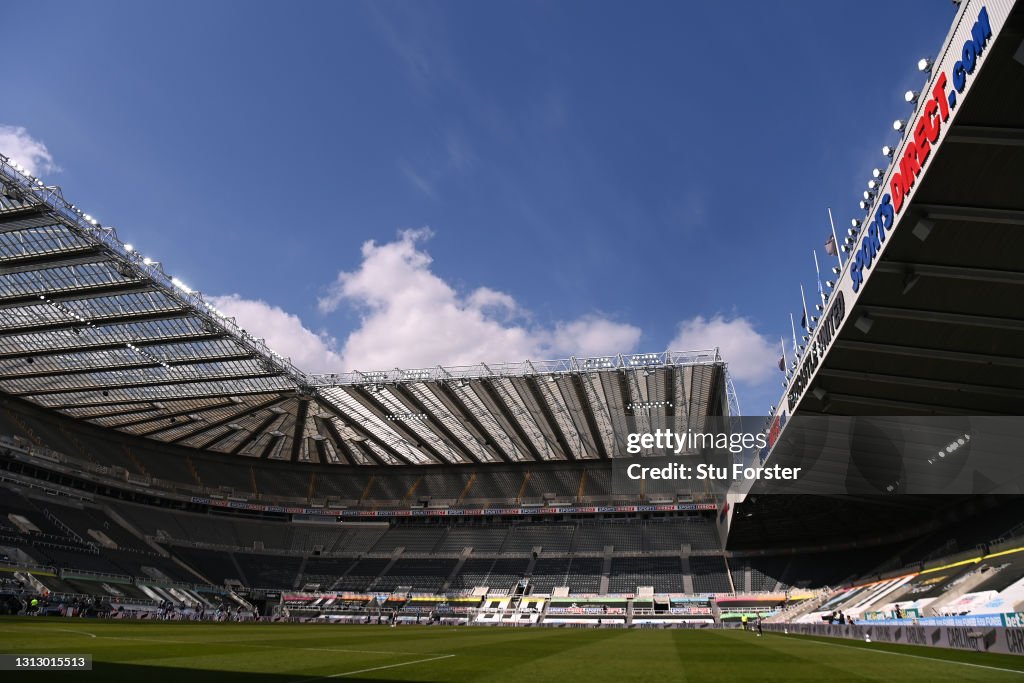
821, 455
692, 447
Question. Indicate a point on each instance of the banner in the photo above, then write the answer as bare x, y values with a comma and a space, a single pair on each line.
452, 512
978, 638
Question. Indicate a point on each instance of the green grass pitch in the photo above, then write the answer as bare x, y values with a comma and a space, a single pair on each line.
153, 652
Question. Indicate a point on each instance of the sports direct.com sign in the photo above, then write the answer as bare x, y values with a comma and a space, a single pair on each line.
915, 152
976, 29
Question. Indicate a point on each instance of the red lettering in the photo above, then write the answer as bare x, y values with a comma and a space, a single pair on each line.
921, 137
936, 124
939, 93
897, 189
910, 165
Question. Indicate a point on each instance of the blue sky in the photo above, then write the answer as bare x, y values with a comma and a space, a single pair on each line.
404, 184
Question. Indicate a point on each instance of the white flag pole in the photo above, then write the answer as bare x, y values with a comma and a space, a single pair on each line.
796, 347
807, 319
835, 239
817, 270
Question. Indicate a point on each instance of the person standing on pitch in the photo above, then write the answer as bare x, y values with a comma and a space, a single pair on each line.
757, 622
743, 620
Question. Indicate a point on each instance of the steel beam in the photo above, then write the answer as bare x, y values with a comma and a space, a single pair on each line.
986, 135
944, 317
1008, 277
970, 214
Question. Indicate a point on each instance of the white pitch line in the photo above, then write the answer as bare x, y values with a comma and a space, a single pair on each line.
156, 640
267, 646
334, 649
37, 628
263, 646
904, 654
373, 668
220, 642
67, 630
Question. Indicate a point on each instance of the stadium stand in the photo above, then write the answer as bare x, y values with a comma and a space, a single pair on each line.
482, 539
361, 575
279, 482
216, 566
324, 571
474, 572
663, 573
360, 538
584, 575
346, 487
268, 571
590, 537
154, 464
597, 484
308, 539
505, 572
523, 538
549, 573
496, 486
710, 574
559, 483
442, 486
414, 539
390, 490
758, 574
425, 575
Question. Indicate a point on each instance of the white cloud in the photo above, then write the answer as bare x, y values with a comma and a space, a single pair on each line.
751, 357
17, 144
283, 332
593, 335
413, 318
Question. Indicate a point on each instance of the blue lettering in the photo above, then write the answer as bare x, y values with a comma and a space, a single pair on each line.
969, 56
870, 245
885, 216
982, 30
959, 76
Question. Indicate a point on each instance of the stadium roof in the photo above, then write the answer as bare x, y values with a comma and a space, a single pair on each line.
936, 326
94, 330
924, 317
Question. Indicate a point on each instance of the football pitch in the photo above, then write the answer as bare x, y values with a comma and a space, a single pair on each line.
153, 652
